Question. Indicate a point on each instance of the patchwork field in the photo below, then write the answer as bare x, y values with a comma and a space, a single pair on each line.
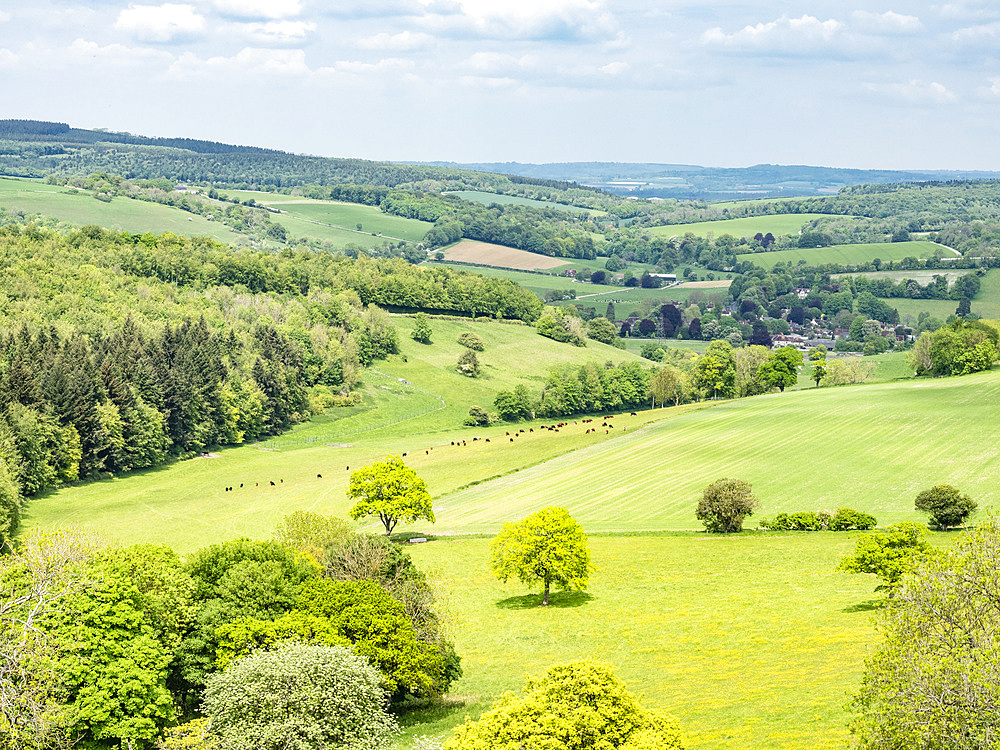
715, 284
844, 254
986, 304
487, 254
123, 214
776, 224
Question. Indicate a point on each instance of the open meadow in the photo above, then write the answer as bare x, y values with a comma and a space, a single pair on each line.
776, 224
79, 207
845, 254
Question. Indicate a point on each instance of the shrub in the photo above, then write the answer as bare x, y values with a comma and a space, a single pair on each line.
299, 697
422, 329
468, 364
478, 417
471, 340
846, 519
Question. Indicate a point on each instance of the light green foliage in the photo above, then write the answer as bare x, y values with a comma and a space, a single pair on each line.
960, 348
311, 533
602, 330
781, 370
935, 682
577, 706
558, 326
846, 519
390, 490
667, 384
547, 547
945, 505
715, 373
299, 697
748, 362
421, 330
818, 353
111, 656
845, 370
724, 504
889, 553
471, 340
240, 637
380, 630
192, 735
468, 364
10, 503
513, 405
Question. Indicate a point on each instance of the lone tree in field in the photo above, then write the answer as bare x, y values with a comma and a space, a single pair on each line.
547, 547
945, 505
390, 490
934, 682
724, 504
889, 553
422, 329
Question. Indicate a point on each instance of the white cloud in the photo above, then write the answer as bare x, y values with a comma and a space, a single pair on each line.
993, 90
779, 36
279, 32
271, 9
117, 54
495, 64
889, 22
522, 19
160, 23
404, 40
967, 10
248, 61
389, 64
4, 16
7, 58
615, 68
985, 34
913, 92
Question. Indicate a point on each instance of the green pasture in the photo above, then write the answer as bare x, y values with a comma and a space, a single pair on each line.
921, 276
751, 642
123, 214
350, 215
844, 254
479, 196
776, 224
536, 282
986, 304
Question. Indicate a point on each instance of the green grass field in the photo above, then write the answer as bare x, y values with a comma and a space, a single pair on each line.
844, 254
750, 642
776, 224
479, 196
80, 208
986, 304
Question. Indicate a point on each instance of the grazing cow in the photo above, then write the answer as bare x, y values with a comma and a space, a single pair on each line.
405, 454
487, 440
531, 429
256, 484
272, 483
427, 453
282, 481
241, 485
348, 468
633, 414
512, 440
318, 476
507, 434
452, 442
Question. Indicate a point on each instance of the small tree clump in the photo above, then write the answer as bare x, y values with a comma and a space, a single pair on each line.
846, 519
724, 504
889, 554
471, 340
945, 505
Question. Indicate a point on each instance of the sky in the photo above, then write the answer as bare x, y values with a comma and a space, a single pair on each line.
892, 85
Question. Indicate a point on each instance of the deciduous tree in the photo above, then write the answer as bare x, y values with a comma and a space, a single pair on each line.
390, 490
724, 504
945, 505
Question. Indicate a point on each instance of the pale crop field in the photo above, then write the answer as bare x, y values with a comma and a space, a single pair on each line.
776, 224
488, 254
844, 254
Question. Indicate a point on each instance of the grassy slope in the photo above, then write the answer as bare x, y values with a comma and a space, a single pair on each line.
750, 642
746, 227
986, 304
120, 213
188, 500
844, 254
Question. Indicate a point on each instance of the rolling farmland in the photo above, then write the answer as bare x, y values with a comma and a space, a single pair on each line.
845, 254
776, 224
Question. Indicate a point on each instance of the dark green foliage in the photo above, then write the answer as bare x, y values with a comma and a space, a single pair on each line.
945, 505
468, 364
422, 329
514, 405
846, 519
478, 417
591, 388
724, 504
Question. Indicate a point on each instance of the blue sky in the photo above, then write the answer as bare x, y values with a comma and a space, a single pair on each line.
854, 84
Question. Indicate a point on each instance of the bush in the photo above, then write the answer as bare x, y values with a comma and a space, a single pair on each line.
724, 504
478, 417
422, 329
579, 706
299, 697
470, 340
468, 364
846, 519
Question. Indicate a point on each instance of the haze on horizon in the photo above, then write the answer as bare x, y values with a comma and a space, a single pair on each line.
902, 84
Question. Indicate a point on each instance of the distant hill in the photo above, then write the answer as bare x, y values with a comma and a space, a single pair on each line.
687, 181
